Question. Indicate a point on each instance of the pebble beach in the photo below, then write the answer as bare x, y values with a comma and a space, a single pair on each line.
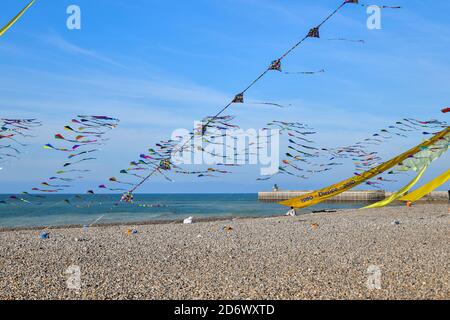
389, 253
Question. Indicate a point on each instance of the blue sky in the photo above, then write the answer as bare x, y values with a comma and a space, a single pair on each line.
160, 65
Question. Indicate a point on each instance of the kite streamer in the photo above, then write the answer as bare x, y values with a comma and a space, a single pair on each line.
427, 188
348, 40
15, 19
273, 104
369, 5
307, 72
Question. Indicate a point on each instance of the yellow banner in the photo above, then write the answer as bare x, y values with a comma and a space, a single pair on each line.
338, 188
14, 20
428, 188
399, 193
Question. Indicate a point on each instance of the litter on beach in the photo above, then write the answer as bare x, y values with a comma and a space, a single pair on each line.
188, 220
44, 235
325, 211
132, 232
314, 226
228, 228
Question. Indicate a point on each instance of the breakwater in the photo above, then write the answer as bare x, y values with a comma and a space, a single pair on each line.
361, 195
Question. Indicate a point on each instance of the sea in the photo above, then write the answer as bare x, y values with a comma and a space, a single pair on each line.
61, 210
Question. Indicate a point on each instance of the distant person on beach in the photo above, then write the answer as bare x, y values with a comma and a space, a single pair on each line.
292, 212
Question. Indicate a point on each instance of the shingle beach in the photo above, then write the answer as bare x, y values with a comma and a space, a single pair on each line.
314, 256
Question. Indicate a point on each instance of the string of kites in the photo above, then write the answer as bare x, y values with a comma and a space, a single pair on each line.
84, 141
313, 159
304, 157
275, 65
80, 144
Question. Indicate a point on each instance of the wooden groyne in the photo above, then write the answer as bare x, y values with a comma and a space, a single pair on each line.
360, 196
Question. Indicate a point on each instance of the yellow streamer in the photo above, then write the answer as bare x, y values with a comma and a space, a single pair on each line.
338, 188
14, 20
427, 188
399, 193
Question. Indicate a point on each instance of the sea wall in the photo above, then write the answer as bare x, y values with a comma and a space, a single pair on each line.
363, 195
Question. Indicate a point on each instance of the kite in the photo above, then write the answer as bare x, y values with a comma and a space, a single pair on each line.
62, 179
113, 179
71, 171
79, 161
314, 33
50, 146
46, 184
127, 197
61, 137
47, 191
427, 188
445, 110
239, 98
81, 153
15, 19
400, 193
102, 186
275, 65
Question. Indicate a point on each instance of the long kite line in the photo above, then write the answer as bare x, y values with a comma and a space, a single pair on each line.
274, 66
15, 19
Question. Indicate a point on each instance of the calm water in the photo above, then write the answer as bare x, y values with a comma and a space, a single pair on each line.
53, 211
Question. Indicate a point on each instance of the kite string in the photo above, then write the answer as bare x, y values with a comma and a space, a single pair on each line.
332, 14
306, 37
